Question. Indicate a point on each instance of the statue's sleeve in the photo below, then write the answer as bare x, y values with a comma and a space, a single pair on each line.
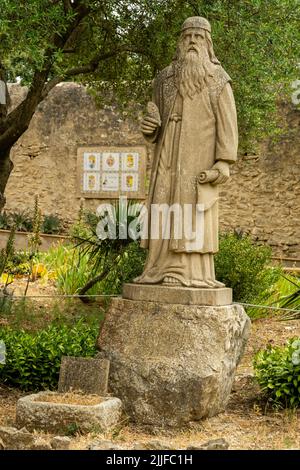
227, 128
155, 99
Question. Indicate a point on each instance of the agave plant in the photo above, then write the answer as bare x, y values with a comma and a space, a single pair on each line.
22, 221
109, 239
4, 221
51, 224
291, 300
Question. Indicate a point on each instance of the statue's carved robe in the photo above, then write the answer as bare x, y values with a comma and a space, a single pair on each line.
194, 134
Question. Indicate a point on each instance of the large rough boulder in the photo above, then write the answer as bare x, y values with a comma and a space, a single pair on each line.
170, 363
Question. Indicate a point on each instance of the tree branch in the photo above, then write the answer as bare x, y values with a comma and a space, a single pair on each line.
87, 68
17, 122
4, 96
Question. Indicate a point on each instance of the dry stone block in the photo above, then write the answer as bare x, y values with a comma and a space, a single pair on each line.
84, 374
34, 413
104, 445
213, 444
156, 444
41, 444
60, 443
16, 439
172, 364
2, 446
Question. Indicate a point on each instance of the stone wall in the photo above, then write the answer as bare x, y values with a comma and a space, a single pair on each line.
262, 198
45, 158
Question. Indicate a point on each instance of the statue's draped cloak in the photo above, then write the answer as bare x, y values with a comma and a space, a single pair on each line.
194, 134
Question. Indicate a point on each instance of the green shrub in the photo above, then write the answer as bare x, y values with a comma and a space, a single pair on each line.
21, 220
19, 263
244, 267
127, 267
72, 268
7, 253
4, 221
277, 370
33, 359
51, 225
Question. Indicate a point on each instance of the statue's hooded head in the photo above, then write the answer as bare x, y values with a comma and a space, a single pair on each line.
194, 54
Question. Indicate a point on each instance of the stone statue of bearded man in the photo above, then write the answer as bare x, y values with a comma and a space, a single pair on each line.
192, 119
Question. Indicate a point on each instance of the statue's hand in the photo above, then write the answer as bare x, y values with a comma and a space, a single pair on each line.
224, 172
149, 125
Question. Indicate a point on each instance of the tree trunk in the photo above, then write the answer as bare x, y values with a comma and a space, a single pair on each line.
6, 167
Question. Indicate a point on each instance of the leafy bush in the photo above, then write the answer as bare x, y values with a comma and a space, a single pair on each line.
129, 265
244, 266
4, 221
33, 359
51, 224
7, 252
23, 221
19, 263
277, 371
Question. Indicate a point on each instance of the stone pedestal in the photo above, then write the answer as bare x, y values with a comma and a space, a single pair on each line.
178, 294
172, 363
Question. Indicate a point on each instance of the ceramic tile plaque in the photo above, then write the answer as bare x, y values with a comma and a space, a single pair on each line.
110, 172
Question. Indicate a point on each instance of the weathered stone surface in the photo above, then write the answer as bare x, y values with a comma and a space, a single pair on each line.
156, 444
139, 446
41, 444
20, 439
214, 444
178, 294
60, 443
33, 413
172, 364
104, 445
84, 374
47, 153
16, 439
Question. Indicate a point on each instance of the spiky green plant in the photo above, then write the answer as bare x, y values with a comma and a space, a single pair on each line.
7, 253
107, 253
290, 298
34, 240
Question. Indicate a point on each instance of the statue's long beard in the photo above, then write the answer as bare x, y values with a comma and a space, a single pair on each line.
192, 72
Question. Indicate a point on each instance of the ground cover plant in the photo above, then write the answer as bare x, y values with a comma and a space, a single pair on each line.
278, 373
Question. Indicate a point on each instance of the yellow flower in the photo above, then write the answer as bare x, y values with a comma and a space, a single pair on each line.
6, 278
38, 270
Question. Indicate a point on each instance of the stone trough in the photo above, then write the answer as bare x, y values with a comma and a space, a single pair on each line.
44, 411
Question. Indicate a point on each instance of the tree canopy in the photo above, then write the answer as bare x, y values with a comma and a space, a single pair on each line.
120, 45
